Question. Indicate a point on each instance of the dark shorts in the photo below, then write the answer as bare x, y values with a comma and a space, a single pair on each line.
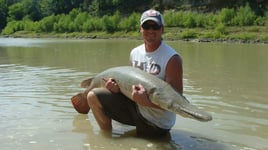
120, 108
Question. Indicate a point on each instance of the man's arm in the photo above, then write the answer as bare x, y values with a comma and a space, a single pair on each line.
174, 73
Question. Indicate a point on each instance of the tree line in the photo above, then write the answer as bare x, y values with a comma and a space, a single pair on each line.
123, 15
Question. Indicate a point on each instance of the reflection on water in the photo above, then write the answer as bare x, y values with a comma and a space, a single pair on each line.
230, 80
124, 137
38, 77
34, 107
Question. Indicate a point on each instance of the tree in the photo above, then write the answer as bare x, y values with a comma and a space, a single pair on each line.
46, 8
32, 9
3, 14
245, 16
258, 6
16, 11
108, 7
65, 6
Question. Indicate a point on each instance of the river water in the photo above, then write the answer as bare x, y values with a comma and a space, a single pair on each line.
38, 77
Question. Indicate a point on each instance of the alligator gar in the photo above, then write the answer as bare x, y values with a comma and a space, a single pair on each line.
159, 92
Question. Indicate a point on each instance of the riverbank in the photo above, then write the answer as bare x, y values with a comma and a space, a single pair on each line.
251, 34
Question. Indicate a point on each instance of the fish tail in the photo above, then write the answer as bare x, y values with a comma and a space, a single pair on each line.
85, 83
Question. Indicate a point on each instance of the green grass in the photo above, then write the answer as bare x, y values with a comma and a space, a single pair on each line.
251, 33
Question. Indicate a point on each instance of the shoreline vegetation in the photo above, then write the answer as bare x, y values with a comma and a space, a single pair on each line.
240, 25
250, 34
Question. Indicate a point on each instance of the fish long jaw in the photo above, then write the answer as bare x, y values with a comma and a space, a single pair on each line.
191, 111
183, 108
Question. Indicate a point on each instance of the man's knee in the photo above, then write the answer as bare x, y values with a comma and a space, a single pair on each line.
92, 99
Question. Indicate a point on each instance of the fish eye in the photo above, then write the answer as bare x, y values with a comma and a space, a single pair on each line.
152, 91
157, 94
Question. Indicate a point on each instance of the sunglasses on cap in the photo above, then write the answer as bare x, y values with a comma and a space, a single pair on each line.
147, 26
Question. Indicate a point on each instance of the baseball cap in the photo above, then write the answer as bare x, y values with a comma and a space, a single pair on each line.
153, 15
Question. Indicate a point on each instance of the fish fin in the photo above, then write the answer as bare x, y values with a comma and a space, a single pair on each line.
85, 83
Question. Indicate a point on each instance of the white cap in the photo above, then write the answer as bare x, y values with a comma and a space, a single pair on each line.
152, 15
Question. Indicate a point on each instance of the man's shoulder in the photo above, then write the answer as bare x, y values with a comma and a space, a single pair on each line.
141, 46
166, 46
138, 48
167, 49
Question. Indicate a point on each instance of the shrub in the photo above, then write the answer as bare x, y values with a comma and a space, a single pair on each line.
221, 29
213, 35
63, 24
226, 16
97, 24
87, 25
131, 23
188, 20
79, 20
260, 21
169, 18
29, 25
200, 20
47, 24
110, 23
245, 16
13, 26
173, 19
244, 36
188, 34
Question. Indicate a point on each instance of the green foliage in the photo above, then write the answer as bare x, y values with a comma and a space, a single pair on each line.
188, 34
260, 21
29, 25
32, 9
211, 20
173, 19
97, 24
88, 25
200, 20
213, 35
244, 17
63, 24
110, 23
64, 6
25, 9
189, 19
131, 23
226, 16
46, 8
15, 26
81, 21
3, 14
221, 29
47, 24
16, 12
244, 36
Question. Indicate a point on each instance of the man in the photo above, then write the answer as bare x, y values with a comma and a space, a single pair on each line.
154, 57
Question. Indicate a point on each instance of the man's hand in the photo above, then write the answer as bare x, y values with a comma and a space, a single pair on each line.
111, 85
139, 95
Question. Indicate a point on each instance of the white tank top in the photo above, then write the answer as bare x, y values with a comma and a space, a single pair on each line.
154, 63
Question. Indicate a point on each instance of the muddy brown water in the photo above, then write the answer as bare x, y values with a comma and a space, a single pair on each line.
38, 77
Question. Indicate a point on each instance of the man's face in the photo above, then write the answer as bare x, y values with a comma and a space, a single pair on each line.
151, 31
